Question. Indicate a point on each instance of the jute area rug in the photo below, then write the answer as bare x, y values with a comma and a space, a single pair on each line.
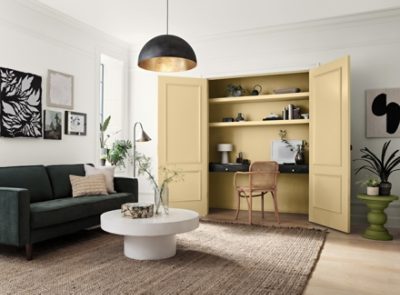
214, 259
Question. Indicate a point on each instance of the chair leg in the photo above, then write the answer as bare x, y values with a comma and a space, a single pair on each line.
276, 207
28, 251
262, 205
250, 208
238, 205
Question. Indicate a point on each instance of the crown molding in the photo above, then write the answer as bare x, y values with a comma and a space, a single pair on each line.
379, 16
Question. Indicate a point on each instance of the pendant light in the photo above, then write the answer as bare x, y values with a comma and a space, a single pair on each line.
167, 53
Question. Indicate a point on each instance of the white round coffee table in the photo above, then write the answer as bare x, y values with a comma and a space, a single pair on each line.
150, 238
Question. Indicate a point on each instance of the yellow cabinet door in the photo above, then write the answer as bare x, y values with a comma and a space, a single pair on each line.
329, 202
183, 139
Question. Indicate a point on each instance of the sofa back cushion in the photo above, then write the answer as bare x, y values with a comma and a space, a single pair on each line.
59, 177
33, 178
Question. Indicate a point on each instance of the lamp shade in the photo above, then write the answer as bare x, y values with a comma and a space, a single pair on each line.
144, 137
224, 147
167, 53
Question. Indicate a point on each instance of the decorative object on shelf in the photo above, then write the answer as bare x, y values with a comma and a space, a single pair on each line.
228, 119
299, 157
119, 152
291, 112
305, 116
52, 125
382, 167
272, 116
286, 90
256, 89
137, 210
144, 137
377, 216
224, 148
383, 112
167, 53
161, 198
60, 90
239, 117
75, 123
239, 159
20, 104
235, 90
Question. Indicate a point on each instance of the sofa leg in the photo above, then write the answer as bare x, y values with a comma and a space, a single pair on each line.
28, 251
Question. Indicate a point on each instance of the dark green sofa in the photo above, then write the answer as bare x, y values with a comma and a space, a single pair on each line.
36, 203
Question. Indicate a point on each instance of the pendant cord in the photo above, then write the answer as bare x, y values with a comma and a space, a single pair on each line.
167, 14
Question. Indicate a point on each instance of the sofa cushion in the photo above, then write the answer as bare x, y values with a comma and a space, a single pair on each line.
88, 185
33, 178
59, 177
63, 210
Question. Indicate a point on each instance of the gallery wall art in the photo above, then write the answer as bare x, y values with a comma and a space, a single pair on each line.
60, 90
383, 112
52, 124
20, 104
75, 123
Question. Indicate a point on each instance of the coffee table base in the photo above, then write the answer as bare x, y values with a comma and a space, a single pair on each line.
150, 248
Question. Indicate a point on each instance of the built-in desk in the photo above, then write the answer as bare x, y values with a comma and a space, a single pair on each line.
234, 167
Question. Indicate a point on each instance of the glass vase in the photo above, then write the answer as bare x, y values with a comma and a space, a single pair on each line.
161, 200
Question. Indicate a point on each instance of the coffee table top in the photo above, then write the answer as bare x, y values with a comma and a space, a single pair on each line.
178, 221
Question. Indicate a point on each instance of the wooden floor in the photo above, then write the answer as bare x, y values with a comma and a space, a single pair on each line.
349, 264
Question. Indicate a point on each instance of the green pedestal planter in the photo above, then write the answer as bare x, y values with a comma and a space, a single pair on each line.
377, 216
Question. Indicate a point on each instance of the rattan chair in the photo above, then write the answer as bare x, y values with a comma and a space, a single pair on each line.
262, 178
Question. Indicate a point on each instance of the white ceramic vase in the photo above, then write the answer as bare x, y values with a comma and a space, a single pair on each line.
372, 190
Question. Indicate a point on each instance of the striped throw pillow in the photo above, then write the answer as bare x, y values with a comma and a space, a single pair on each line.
88, 185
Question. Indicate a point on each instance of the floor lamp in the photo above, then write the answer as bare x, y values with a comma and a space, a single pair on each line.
143, 138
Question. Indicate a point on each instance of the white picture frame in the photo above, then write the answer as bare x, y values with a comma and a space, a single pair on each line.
60, 90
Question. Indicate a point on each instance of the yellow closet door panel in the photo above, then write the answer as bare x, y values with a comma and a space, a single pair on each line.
183, 139
183, 124
330, 145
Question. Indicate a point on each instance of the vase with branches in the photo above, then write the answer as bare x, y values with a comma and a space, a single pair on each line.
161, 193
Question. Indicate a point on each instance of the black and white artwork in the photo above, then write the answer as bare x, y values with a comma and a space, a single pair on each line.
75, 123
20, 104
52, 125
383, 112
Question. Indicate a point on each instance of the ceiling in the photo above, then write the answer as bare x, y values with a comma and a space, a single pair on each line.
136, 21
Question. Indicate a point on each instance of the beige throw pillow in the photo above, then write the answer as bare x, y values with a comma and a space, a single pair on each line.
108, 172
88, 185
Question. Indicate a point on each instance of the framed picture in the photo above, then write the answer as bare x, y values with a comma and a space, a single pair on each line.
60, 90
52, 125
383, 112
75, 123
20, 104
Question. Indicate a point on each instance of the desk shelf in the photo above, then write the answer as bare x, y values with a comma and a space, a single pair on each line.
260, 123
261, 98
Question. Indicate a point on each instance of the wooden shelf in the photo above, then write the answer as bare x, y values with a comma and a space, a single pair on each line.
260, 98
259, 123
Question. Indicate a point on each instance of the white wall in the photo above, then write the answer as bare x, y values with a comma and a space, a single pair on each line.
372, 40
35, 39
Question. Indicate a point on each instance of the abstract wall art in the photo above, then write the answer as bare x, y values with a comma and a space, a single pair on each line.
60, 90
20, 104
383, 112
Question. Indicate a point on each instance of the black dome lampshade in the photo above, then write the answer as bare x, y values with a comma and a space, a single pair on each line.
167, 53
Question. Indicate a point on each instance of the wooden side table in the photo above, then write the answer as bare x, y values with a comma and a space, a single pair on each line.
377, 216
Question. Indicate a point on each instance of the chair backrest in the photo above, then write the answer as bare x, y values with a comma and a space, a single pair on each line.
267, 176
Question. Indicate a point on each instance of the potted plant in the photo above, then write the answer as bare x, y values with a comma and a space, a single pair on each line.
381, 166
119, 152
103, 140
372, 187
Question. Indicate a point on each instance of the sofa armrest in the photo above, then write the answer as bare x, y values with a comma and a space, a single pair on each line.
127, 185
14, 216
